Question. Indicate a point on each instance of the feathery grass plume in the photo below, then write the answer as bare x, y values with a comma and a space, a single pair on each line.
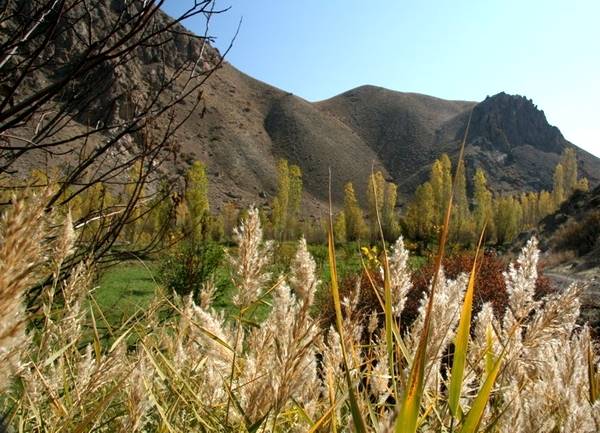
520, 281
215, 355
282, 350
21, 254
207, 294
253, 256
379, 375
557, 319
64, 244
74, 293
445, 313
485, 343
136, 400
527, 371
303, 274
399, 276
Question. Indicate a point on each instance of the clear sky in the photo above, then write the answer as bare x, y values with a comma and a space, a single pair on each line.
546, 50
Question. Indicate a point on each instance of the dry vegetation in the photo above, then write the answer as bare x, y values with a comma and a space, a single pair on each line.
528, 369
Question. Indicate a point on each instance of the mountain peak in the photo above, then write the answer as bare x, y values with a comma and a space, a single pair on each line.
503, 122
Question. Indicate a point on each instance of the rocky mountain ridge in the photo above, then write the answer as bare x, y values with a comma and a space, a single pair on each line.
246, 125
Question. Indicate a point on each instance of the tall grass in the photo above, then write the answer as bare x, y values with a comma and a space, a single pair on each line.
531, 369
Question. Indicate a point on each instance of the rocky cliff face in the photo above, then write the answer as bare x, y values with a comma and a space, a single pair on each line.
504, 122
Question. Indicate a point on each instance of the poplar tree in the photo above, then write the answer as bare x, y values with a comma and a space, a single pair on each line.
196, 196
420, 216
294, 197
375, 200
230, 218
558, 191
508, 215
545, 205
461, 223
569, 163
281, 201
339, 227
483, 209
355, 222
286, 205
529, 204
583, 184
441, 184
391, 229
132, 227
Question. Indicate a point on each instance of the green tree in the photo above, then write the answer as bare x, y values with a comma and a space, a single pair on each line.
294, 198
508, 215
483, 212
558, 192
196, 197
462, 224
569, 163
391, 228
339, 227
286, 205
441, 184
281, 201
420, 216
356, 227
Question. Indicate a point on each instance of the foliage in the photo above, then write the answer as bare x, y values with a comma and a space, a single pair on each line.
356, 228
528, 369
490, 285
189, 266
483, 209
382, 197
420, 216
286, 204
196, 197
581, 236
64, 109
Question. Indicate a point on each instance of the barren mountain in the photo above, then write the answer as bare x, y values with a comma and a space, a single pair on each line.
248, 125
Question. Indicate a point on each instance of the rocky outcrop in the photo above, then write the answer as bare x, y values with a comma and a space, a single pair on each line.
504, 122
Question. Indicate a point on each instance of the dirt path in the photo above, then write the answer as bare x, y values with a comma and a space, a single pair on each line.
563, 276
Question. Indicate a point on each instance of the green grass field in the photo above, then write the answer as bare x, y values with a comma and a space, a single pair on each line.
123, 289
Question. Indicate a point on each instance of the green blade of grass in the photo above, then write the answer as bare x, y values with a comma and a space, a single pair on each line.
592, 378
359, 423
461, 341
387, 292
410, 404
473, 418
489, 348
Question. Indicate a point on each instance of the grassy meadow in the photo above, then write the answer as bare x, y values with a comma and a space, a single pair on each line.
253, 351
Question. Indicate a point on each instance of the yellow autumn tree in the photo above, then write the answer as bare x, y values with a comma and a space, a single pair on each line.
356, 228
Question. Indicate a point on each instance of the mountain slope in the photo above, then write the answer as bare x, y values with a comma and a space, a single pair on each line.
247, 125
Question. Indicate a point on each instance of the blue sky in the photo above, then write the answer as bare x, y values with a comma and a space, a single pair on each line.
547, 50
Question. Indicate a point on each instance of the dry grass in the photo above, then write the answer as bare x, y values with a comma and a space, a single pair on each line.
530, 370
